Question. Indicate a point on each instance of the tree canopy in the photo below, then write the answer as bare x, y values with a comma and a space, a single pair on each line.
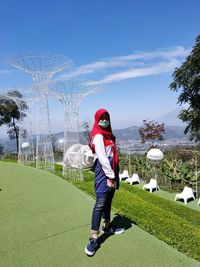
187, 78
151, 131
11, 113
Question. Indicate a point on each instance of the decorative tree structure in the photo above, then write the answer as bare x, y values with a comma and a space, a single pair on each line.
42, 66
26, 143
71, 94
24, 129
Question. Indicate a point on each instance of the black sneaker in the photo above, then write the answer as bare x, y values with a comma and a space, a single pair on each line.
91, 247
112, 230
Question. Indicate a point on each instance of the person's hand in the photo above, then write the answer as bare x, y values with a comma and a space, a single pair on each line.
111, 183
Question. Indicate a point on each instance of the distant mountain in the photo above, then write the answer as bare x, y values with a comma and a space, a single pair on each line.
174, 128
132, 133
11, 144
171, 118
60, 135
123, 135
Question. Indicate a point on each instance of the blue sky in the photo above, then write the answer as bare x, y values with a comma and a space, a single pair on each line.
129, 47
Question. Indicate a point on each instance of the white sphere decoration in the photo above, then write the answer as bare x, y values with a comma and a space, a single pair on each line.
25, 145
60, 141
86, 155
78, 156
59, 145
72, 156
155, 154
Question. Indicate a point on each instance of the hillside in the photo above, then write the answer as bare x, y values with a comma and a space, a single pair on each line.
175, 133
132, 133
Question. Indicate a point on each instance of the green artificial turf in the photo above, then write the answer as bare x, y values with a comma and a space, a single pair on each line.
45, 221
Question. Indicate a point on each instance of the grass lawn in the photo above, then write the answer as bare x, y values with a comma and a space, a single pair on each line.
159, 216
170, 196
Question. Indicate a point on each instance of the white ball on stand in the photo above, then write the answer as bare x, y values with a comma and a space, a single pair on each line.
25, 145
155, 154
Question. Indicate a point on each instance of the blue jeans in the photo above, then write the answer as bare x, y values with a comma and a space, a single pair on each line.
102, 209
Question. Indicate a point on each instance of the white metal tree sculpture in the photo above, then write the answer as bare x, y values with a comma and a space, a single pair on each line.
25, 142
42, 66
71, 94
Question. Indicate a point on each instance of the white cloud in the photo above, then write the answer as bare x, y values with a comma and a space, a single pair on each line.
176, 51
135, 65
163, 67
5, 72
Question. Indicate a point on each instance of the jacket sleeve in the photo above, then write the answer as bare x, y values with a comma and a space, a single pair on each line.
101, 155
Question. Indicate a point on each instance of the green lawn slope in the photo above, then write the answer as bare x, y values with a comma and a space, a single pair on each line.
45, 221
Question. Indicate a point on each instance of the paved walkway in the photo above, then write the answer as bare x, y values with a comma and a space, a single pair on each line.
45, 221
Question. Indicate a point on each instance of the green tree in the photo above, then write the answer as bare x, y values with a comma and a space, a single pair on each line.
1, 150
187, 77
10, 114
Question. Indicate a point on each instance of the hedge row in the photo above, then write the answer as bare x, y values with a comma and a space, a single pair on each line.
177, 225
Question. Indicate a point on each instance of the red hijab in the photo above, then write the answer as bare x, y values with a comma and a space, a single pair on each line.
108, 137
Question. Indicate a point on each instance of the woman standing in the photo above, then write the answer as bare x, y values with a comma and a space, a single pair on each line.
103, 145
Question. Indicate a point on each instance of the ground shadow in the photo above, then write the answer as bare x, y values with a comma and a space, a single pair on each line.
188, 200
122, 221
153, 190
135, 183
195, 194
118, 221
